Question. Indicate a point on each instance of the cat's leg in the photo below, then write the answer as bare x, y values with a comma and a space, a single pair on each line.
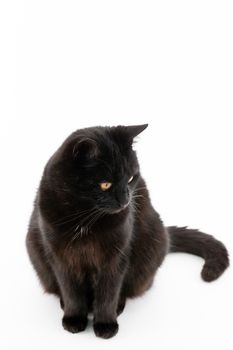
40, 262
106, 300
74, 301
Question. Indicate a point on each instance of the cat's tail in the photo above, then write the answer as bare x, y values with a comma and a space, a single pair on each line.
198, 243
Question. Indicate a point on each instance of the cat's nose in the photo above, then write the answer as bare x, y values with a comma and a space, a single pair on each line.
124, 204
122, 198
121, 207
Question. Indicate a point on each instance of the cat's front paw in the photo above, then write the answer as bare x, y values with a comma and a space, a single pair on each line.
74, 324
105, 330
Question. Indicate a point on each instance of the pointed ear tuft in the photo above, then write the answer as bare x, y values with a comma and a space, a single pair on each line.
86, 147
135, 130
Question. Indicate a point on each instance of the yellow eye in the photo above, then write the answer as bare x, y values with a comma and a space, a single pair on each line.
130, 179
105, 186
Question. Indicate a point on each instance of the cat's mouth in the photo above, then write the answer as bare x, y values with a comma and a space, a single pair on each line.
118, 210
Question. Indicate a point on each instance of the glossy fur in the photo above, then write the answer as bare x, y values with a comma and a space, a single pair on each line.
93, 248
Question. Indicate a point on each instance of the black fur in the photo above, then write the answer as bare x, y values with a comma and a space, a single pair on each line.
94, 248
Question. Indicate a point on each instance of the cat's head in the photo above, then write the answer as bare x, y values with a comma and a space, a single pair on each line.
98, 167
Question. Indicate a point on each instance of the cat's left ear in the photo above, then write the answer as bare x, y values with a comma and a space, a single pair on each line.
135, 130
86, 147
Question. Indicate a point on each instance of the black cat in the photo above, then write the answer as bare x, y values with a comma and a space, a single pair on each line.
94, 238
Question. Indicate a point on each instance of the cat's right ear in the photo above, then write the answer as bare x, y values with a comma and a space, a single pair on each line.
86, 147
135, 130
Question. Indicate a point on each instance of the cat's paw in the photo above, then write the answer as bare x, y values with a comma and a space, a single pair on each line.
74, 324
105, 330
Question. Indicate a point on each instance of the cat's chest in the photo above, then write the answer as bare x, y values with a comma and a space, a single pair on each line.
89, 254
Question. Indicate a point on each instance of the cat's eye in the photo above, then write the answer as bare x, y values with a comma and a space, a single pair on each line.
105, 186
130, 179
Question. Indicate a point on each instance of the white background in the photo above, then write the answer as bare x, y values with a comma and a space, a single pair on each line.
69, 64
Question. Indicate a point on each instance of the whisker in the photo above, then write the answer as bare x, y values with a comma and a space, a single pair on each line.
93, 218
89, 216
97, 217
71, 216
120, 251
140, 188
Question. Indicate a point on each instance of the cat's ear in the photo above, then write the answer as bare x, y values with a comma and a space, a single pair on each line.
87, 148
135, 130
